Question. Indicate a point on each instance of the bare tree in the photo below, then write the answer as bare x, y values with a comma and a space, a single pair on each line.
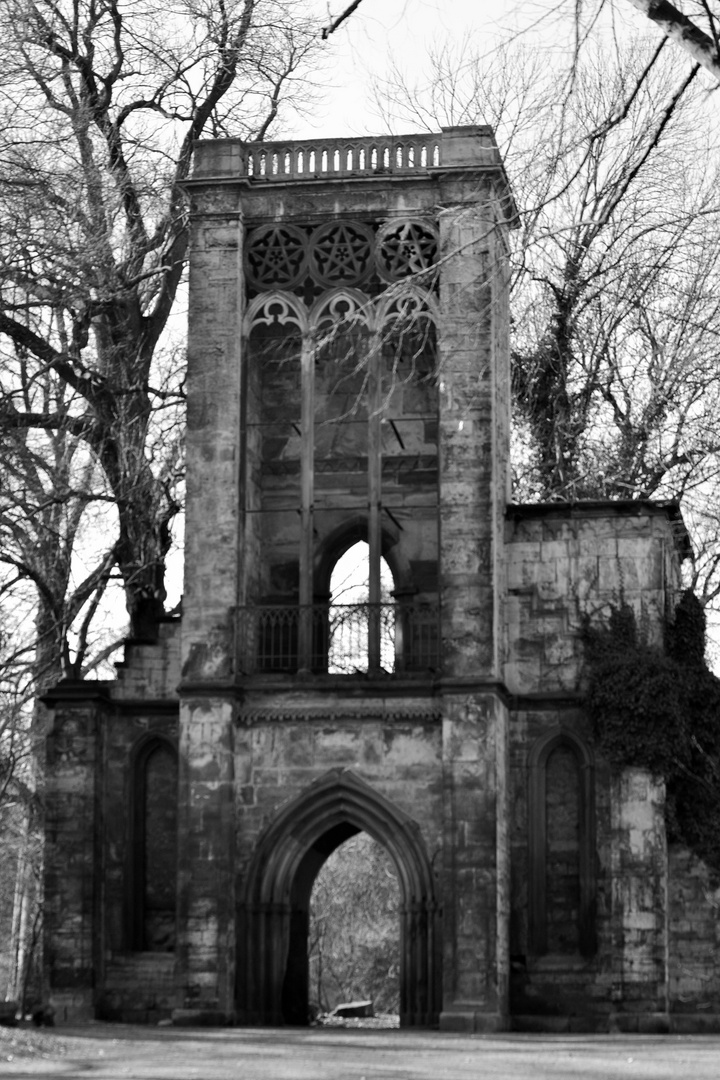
698, 32
616, 276
101, 106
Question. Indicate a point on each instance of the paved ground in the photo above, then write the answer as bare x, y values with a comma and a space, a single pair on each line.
112, 1052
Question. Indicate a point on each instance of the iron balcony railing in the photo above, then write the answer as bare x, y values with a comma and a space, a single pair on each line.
341, 639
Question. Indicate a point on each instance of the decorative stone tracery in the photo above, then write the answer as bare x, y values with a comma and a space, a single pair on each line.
405, 248
275, 256
338, 253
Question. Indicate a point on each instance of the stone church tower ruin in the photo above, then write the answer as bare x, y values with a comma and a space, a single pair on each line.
349, 382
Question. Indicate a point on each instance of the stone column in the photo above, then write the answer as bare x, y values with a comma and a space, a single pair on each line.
639, 904
206, 876
476, 905
73, 874
206, 870
473, 489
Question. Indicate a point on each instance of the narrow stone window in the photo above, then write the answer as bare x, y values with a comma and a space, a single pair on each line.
561, 841
155, 870
562, 850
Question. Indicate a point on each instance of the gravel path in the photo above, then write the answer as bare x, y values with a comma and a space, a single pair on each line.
124, 1052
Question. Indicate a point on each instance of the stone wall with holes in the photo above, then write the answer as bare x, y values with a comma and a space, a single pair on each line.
566, 562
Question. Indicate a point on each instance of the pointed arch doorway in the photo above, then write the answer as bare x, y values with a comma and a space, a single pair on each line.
273, 915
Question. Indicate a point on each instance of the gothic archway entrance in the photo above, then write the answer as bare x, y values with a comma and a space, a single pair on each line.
354, 936
273, 916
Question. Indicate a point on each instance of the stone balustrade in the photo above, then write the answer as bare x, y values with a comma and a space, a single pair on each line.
346, 158
337, 158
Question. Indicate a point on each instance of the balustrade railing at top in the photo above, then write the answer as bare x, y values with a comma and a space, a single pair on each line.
309, 159
340, 639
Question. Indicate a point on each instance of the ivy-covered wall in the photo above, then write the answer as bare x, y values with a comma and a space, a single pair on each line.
604, 651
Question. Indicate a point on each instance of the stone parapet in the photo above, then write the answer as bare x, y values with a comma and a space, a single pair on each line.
297, 161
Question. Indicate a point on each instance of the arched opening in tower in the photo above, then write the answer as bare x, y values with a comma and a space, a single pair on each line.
352, 617
274, 909
344, 932
354, 933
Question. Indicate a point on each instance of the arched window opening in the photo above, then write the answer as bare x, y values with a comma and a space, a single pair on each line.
273, 446
352, 617
562, 850
354, 931
155, 870
561, 836
340, 418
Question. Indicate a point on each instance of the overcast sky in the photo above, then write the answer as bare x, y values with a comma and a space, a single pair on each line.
383, 32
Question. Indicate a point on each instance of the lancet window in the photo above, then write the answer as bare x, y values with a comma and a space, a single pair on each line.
153, 867
561, 847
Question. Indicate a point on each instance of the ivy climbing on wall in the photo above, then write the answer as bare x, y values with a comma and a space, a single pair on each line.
657, 707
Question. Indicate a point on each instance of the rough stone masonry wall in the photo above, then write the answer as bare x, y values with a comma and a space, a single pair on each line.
277, 761
72, 939
563, 989
134, 986
473, 378
151, 670
206, 905
694, 913
564, 563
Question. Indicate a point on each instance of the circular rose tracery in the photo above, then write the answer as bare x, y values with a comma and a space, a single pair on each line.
275, 256
405, 248
341, 253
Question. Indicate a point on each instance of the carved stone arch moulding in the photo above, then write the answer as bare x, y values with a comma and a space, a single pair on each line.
342, 306
290, 851
334, 545
406, 247
407, 317
276, 307
275, 256
407, 301
538, 758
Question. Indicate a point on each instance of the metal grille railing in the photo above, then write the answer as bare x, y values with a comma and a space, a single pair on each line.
337, 638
